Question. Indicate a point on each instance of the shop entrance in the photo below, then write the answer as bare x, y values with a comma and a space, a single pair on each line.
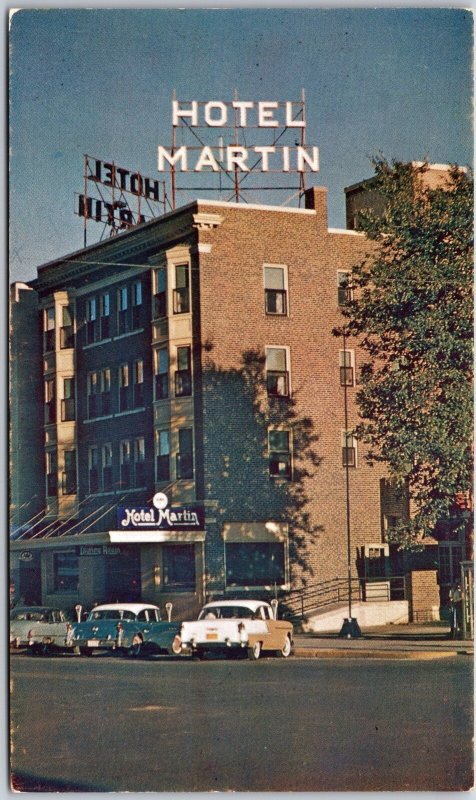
122, 576
29, 580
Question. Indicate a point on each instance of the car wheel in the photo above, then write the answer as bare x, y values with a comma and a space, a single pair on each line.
135, 649
85, 651
286, 649
34, 650
254, 651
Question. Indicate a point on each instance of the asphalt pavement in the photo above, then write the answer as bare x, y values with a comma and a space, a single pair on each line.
414, 641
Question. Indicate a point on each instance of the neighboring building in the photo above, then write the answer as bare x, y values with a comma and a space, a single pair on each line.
194, 356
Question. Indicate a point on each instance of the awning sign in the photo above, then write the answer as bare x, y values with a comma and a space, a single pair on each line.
161, 516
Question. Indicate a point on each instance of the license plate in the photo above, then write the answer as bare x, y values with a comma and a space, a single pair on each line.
93, 643
212, 636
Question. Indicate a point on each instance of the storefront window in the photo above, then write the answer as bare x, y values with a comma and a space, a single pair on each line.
65, 572
179, 567
255, 564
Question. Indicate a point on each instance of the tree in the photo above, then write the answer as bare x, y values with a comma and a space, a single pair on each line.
411, 309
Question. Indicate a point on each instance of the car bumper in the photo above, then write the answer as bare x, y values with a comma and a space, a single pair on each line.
214, 645
96, 644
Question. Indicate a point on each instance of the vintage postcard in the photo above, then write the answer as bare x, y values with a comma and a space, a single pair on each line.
240, 409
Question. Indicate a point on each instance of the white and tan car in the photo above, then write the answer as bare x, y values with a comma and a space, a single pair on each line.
235, 627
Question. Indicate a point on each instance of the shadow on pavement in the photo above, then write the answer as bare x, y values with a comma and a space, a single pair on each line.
24, 782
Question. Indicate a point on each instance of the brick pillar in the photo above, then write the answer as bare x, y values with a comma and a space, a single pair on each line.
423, 595
316, 198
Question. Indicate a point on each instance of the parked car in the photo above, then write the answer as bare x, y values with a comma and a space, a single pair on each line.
234, 627
131, 628
46, 622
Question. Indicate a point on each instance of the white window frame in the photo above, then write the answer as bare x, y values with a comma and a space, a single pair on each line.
287, 352
345, 436
284, 268
351, 366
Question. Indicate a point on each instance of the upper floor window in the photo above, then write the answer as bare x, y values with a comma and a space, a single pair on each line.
161, 358
277, 371
67, 330
105, 315
160, 295
124, 395
49, 329
50, 401
93, 464
106, 464
349, 449
185, 453
138, 384
162, 455
125, 452
344, 287
51, 473
67, 402
275, 290
122, 306
136, 304
280, 459
91, 320
346, 366
183, 374
69, 472
182, 290
139, 462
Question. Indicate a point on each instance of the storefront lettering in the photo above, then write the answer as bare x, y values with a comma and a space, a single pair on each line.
162, 516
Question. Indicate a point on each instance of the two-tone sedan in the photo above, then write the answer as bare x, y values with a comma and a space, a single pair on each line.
130, 628
45, 621
236, 627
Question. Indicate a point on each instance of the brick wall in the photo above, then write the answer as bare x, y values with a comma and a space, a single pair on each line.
423, 595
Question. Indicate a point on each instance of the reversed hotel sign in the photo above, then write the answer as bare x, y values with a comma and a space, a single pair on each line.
161, 516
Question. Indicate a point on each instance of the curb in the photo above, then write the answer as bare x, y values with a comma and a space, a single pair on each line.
426, 655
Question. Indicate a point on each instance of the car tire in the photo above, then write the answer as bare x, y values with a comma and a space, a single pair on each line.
85, 651
254, 651
136, 647
286, 649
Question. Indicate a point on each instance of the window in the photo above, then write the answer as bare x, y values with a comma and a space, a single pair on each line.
94, 388
66, 331
255, 564
346, 364
275, 290
139, 462
51, 473
65, 572
349, 449
136, 304
126, 465
91, 321
49, 329
277, 375
93, 470
185, 453
138, 384
161, 373
344, 288
105, 386
162, 456
183, 374
390, 524
182, 290
105, 315
160, 296
106, 464
67, 403
50, 401
280, 465
124, 396
375, 560
178, 563
122, 306
69, 474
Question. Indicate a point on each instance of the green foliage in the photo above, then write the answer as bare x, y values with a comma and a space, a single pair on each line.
412, 313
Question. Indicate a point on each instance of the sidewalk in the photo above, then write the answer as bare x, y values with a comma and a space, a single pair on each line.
418, 642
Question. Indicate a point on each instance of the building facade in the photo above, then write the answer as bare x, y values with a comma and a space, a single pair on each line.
186, 371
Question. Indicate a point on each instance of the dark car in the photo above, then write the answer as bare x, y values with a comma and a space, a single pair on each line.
131, 628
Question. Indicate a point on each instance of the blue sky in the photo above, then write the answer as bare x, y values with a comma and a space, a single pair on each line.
100, 82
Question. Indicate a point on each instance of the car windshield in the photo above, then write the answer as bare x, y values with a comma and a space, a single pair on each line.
226, 612
30, 615
110, 613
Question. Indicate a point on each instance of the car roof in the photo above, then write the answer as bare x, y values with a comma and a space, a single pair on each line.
134, 607
251, 604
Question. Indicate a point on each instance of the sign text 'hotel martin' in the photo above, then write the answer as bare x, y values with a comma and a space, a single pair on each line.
238, 115
161, 516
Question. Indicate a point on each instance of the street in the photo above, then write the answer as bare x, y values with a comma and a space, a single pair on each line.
111, 724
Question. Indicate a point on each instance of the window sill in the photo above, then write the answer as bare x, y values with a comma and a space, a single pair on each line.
285, 587
128, 333
96, 344
129, 411
97, 419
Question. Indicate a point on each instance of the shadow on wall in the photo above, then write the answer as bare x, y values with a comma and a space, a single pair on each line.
260, 455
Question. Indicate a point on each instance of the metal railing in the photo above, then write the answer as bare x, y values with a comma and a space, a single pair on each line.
300, 602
